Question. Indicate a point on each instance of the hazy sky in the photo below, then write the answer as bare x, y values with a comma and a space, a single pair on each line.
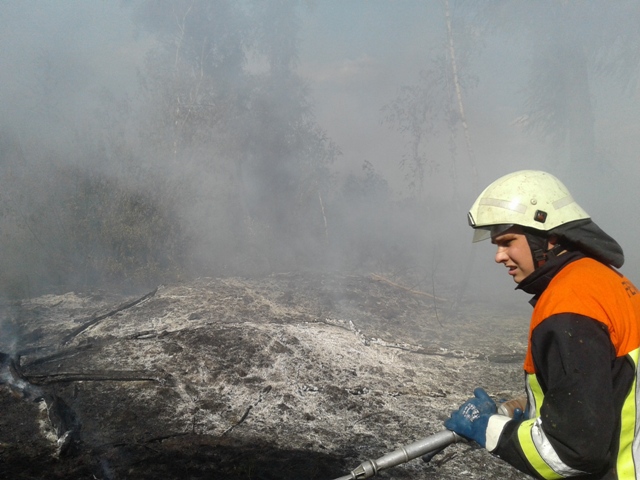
355, 55
66, 52
358, 54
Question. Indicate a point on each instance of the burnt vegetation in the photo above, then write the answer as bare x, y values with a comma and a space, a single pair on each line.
288, 376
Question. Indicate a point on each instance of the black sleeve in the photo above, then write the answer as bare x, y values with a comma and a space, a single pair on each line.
573, 357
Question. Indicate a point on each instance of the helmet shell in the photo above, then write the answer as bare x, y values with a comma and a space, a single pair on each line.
529, 198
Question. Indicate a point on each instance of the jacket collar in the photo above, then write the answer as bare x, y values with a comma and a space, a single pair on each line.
537, 282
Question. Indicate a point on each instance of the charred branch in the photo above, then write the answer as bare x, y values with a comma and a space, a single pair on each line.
60, 355
110, 376
93, 321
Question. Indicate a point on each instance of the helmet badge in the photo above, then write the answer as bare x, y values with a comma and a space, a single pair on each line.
540, 216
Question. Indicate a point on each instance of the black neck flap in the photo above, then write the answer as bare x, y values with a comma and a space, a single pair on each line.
589, 238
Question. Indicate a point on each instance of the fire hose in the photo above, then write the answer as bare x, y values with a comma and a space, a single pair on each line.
426, 446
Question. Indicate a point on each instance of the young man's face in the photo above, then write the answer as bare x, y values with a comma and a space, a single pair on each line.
514, 253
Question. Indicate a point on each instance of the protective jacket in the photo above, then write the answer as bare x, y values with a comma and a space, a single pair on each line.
581, 371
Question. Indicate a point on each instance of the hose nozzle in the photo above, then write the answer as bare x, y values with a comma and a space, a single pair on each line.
370, 468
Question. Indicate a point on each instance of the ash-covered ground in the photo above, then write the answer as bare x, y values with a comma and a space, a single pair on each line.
289, 377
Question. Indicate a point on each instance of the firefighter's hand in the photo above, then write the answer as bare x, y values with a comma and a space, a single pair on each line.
471, 419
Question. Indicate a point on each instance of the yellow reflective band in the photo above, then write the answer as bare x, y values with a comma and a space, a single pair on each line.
531, 452
535, 444
536, 390
625, 467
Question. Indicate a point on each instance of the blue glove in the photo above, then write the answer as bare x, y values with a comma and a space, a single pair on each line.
471, 419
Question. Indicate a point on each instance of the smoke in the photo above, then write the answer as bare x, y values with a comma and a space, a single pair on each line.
148, 142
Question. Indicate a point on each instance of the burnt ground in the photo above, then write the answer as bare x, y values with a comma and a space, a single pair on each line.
292, 376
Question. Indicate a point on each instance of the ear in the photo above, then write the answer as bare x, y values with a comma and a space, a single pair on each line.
552, 241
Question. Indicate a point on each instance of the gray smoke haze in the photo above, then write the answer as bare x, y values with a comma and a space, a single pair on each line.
144, 142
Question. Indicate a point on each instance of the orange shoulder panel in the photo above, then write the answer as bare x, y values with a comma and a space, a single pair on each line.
589, 288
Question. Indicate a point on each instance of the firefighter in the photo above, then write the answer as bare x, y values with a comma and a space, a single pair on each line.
582, 416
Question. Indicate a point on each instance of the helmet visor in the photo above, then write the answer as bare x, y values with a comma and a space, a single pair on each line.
490, 231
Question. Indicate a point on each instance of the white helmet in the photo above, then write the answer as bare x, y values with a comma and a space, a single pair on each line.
528, 198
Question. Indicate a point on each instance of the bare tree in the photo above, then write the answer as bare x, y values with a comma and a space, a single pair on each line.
222, 89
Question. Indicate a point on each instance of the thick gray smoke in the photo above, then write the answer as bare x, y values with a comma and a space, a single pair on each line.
145, 142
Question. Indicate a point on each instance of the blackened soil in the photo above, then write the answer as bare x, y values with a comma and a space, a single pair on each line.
289, 377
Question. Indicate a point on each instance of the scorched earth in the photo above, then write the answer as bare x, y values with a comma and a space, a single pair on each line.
289, 377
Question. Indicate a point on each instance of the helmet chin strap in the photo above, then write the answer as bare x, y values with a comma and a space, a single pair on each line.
539, 243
